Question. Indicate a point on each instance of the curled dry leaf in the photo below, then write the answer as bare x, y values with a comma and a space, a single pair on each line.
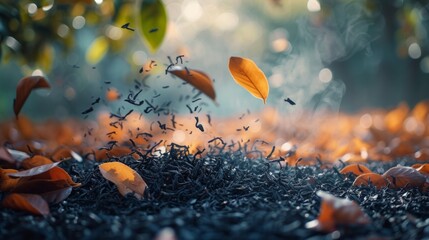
198, 79
24, 88
126, 179
61, 154
371, 178
18, 155
34, 171
35, 161
26, 202
356, 169
6, 182
335, 212
422, 168
6, 156
56, 196
248, 75
404, 177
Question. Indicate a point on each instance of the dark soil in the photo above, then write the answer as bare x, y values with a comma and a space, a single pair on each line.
224, 196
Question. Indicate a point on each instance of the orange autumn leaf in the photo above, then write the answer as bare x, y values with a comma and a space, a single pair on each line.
6, 182
335, 212
126, 179
55, 174
61, 154
35, 161
248, 75
395, 118
112, 94
371, 178
356, 169
198, 79
404, 177
423, 168
31, 203
24, 88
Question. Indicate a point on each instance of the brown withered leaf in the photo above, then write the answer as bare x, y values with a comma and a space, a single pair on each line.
371, 178
56, 196
126, 179
336, 212
6, 182
6, 156
197, 79
404, 177
24, 88
422, 168
39, 186
56, 173
35, 170
31, 203
356, 169
61, 153
248, 75
35, 161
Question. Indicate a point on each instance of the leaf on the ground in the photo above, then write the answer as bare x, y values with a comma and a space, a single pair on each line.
35, 161
31, 203
39, 186
356, 169
56, 196
422, 168
248, 75
6, 182
151, 15
198, 79
18, 155
61, 154
34, 171
126, 179
404, 177
24, 88
374, 179
336, 212
6, 156
55, 174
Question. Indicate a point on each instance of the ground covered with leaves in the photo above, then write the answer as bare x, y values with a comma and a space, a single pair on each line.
219, 196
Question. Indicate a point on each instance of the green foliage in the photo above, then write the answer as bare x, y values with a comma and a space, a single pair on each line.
152, 22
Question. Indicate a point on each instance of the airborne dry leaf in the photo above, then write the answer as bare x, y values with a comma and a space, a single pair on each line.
126, 179
404, 177
248, 75
26, 202
24, 88
356, 169
371, 178
335, 212
198, 79
151, 22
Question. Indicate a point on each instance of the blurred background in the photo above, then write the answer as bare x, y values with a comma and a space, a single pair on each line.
322, 54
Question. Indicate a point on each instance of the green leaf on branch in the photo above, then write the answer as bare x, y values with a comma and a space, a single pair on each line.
151, 22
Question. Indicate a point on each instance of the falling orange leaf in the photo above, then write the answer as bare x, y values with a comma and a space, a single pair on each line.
112, 94
356, 169
24, 88
198, 79
404, 177
26, 202
371, 178
35, 161
248, 75
335, 212
126, 179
